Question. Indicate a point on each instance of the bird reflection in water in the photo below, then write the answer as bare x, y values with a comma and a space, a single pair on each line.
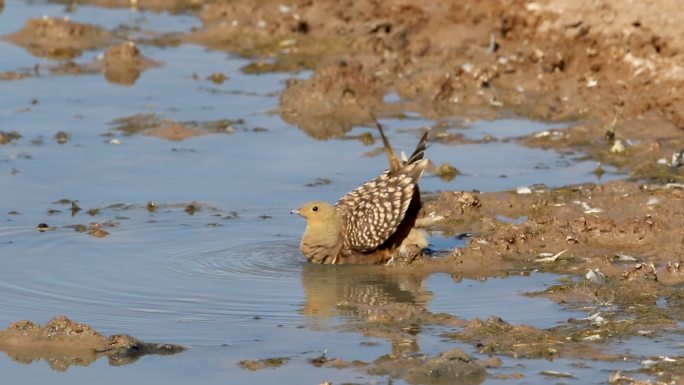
382, 299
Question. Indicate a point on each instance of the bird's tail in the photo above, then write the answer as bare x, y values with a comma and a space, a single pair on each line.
420, 149
394, 162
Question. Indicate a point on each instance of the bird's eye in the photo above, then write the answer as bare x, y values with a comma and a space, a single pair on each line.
315, 208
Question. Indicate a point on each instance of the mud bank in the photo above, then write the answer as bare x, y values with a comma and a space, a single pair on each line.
614, 73
572, 230
545, 59
63, 343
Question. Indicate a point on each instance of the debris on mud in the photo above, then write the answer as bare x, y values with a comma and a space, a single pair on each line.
63, 343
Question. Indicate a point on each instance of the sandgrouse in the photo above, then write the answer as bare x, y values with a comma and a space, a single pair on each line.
374, 224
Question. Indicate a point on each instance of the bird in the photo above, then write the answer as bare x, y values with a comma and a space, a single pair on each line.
373, 224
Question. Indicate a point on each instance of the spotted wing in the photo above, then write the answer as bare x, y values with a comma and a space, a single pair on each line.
372, 212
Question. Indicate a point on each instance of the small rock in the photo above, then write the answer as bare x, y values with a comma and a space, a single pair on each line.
447, 172
217, 78
618, 147
595, 276
677, 159
61, 137
599, 171
75, 208
151, 206
96, 230
553, 373
522, 190
624, 258
596, 319
367, 139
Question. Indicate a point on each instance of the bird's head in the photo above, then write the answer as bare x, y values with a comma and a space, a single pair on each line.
316, 211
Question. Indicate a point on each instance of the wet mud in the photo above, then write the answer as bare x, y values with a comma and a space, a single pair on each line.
568, 230
613, 75
60, 39
264, 363
154, 125
445, 368
547, 60
63, 343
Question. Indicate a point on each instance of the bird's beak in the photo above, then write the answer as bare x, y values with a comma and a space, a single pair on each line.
295, 212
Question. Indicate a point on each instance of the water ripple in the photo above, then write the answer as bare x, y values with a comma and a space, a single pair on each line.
247, 262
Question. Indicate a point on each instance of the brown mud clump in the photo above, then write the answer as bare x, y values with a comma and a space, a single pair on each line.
264, 363
59, 39
448, 367
453, 366
154, 125
7, 137
121, 64
63, 342
124, 63
329, 103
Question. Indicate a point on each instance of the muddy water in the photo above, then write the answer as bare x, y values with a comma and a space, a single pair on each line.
224, 277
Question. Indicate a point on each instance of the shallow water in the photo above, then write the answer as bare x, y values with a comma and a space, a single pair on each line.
227, 281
